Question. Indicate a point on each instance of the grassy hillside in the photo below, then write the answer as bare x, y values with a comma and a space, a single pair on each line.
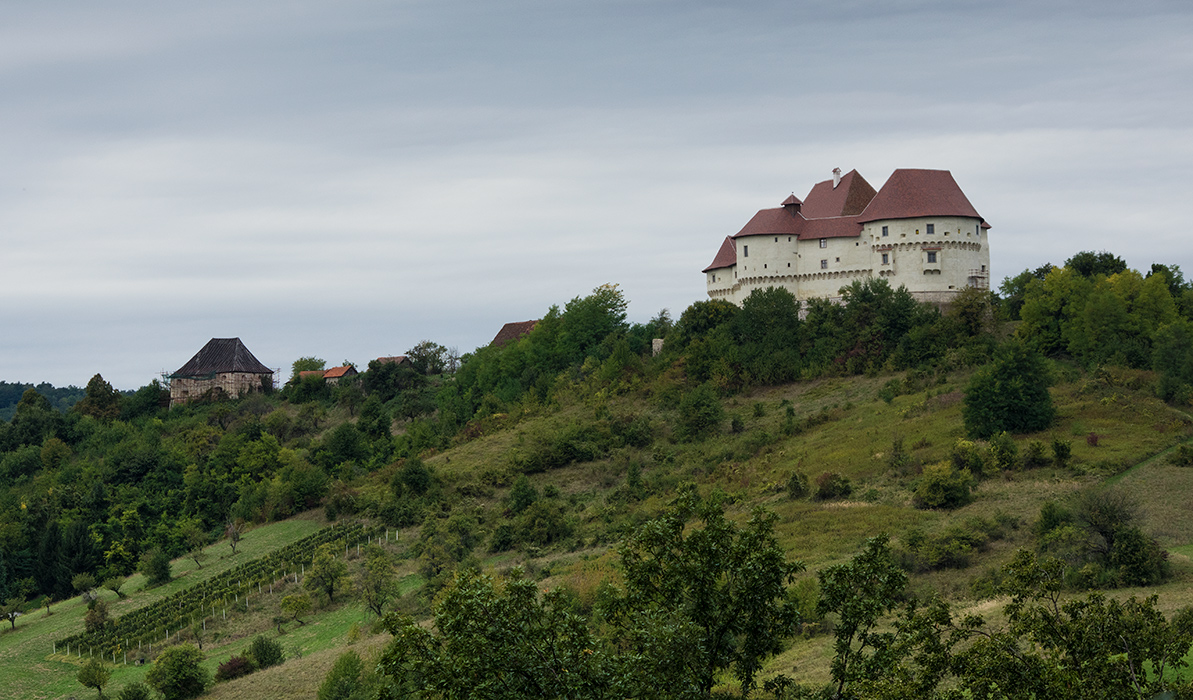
841, 425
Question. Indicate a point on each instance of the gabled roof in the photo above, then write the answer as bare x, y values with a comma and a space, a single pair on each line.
222, 355
848, 198
726, 256
777, 222
338, 372
512, 331
396, 359
913, 193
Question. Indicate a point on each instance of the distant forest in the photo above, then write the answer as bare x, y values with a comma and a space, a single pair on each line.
61, 398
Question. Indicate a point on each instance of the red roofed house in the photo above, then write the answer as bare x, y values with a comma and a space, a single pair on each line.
335, 374
919, 231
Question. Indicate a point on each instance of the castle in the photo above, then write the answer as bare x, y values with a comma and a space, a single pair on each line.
919, 231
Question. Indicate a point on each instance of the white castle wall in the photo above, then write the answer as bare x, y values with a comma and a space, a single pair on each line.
820, 267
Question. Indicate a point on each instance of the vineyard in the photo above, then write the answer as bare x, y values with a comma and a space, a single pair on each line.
155, 623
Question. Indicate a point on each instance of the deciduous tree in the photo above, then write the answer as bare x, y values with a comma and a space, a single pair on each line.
94, 674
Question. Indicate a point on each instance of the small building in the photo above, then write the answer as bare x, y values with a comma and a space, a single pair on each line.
513, 331
400, 360
335, 374
224, 366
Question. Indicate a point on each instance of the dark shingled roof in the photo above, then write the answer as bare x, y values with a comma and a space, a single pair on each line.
512, 331
726, 256
222, 355
913, 193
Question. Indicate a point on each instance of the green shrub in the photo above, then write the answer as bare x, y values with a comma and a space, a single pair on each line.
1062, 452
899, 460
1183, 457
1036, 455
700, 413
155, 565
1005, 451
831, 485
266, 652
797, 485
134, 691
344, 680
943, 486
1009, 394
969, 455
177, 673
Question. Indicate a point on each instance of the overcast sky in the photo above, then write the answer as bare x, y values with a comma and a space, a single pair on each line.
343, 179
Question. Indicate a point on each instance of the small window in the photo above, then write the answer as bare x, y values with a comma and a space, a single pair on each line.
932, 256
788, 264
763, 266
886, 259
789, 239
745, 251
824, 264
885, 230
714, 277
838, 260
776, 239
823, 242
931, 229
977, 229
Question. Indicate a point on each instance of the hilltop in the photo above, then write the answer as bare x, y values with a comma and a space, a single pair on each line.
845, 421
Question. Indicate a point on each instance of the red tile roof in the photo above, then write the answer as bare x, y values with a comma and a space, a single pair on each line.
726, 256
338, 372
839, 227
848, 198
839, 212
512, 331
913, 193
777, 222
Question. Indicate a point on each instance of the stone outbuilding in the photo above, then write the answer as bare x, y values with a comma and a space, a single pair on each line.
224, 367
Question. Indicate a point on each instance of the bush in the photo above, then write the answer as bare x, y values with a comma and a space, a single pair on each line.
155, 565
1036, 455
1062, 452
1139, 560
177, 673
1183, 457
797, 485
969, 455
831, 485
700, 413
943, 486
266, 652
344, 680
234, 667
1005, 451
134, 691
1009, 394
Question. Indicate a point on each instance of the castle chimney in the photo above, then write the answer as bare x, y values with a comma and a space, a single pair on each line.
836, 177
